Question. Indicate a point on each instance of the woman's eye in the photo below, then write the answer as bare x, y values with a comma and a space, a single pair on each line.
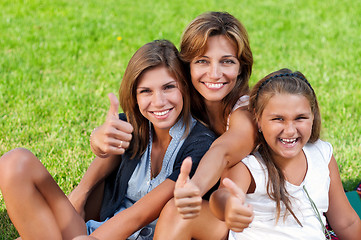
228, 61
277, 119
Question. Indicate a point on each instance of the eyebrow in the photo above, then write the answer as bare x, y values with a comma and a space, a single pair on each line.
224, 56
282, 115
168, 83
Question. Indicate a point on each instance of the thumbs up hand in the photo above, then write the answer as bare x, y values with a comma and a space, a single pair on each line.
186, 194
238, 215
114, 136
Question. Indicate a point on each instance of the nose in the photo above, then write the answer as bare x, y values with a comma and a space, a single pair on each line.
158, 99
290, 129
214, 71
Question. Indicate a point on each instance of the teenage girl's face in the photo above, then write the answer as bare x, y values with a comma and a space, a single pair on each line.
215, 73
286, 124
159, 97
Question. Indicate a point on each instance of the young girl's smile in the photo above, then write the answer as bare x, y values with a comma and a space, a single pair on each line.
159, 98
286, 123
215, 73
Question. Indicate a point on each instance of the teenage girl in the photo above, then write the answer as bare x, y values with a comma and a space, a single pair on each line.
283, 189
120, 195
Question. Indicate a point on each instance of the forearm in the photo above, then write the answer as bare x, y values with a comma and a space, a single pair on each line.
210, 168
97, 171
143, 212
352, 231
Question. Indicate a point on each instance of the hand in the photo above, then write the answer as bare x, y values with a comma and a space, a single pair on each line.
114, 136
238, 215
186, 194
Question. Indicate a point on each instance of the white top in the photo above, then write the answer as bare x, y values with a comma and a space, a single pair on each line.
241, 102
317, 181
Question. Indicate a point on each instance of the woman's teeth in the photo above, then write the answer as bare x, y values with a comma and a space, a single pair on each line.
214, 85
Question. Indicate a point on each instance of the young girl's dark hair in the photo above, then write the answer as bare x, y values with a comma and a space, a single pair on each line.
283, 81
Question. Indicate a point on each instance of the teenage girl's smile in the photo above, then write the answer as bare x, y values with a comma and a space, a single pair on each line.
214, 74
286, 123
159, 98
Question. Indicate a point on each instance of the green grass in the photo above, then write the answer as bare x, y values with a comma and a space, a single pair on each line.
59, 59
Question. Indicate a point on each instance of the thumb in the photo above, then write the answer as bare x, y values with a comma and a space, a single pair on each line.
114, 105
183, 176
233, 189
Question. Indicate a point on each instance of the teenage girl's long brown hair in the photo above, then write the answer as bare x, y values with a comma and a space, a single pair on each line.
149, 56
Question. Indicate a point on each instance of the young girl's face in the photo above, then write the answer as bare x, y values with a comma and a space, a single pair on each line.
159, 98
215, 73
286, 124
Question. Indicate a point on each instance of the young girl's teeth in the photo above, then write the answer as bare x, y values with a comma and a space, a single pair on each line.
161, 113
288, 140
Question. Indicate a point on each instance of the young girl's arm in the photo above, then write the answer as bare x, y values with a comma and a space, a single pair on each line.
137, 216
341, 216
228, 202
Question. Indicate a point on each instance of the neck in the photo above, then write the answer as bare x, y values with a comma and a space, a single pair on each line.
215, 115
161, 138
294, 169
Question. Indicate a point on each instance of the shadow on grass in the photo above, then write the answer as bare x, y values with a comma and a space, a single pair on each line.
7, 229
350, 184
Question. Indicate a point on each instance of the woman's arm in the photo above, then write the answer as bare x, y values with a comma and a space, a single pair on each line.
95, 174
341, 216
143, 212
226, 151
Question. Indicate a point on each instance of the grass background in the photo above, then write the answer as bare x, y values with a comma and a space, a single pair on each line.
59, 59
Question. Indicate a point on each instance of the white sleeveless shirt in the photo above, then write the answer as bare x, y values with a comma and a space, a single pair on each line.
317, 181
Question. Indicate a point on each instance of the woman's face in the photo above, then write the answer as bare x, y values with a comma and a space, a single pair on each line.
215, 73
159, 97
286, 124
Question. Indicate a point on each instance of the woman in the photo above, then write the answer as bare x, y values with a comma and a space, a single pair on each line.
127, 190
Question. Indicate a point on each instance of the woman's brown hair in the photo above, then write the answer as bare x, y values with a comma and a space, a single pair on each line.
194, 43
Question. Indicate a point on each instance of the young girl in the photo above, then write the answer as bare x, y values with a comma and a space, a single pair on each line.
121, 194
216, 50
292, 178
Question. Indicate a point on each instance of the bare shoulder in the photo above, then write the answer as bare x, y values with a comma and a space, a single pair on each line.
242, 119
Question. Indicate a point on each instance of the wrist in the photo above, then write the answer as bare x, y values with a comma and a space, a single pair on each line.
93, 146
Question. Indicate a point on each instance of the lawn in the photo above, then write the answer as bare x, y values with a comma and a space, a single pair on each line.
59, 59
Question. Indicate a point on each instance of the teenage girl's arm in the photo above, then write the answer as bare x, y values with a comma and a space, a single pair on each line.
341, 216
95, 174
226, 151
228, 202
112, 137
143, 212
